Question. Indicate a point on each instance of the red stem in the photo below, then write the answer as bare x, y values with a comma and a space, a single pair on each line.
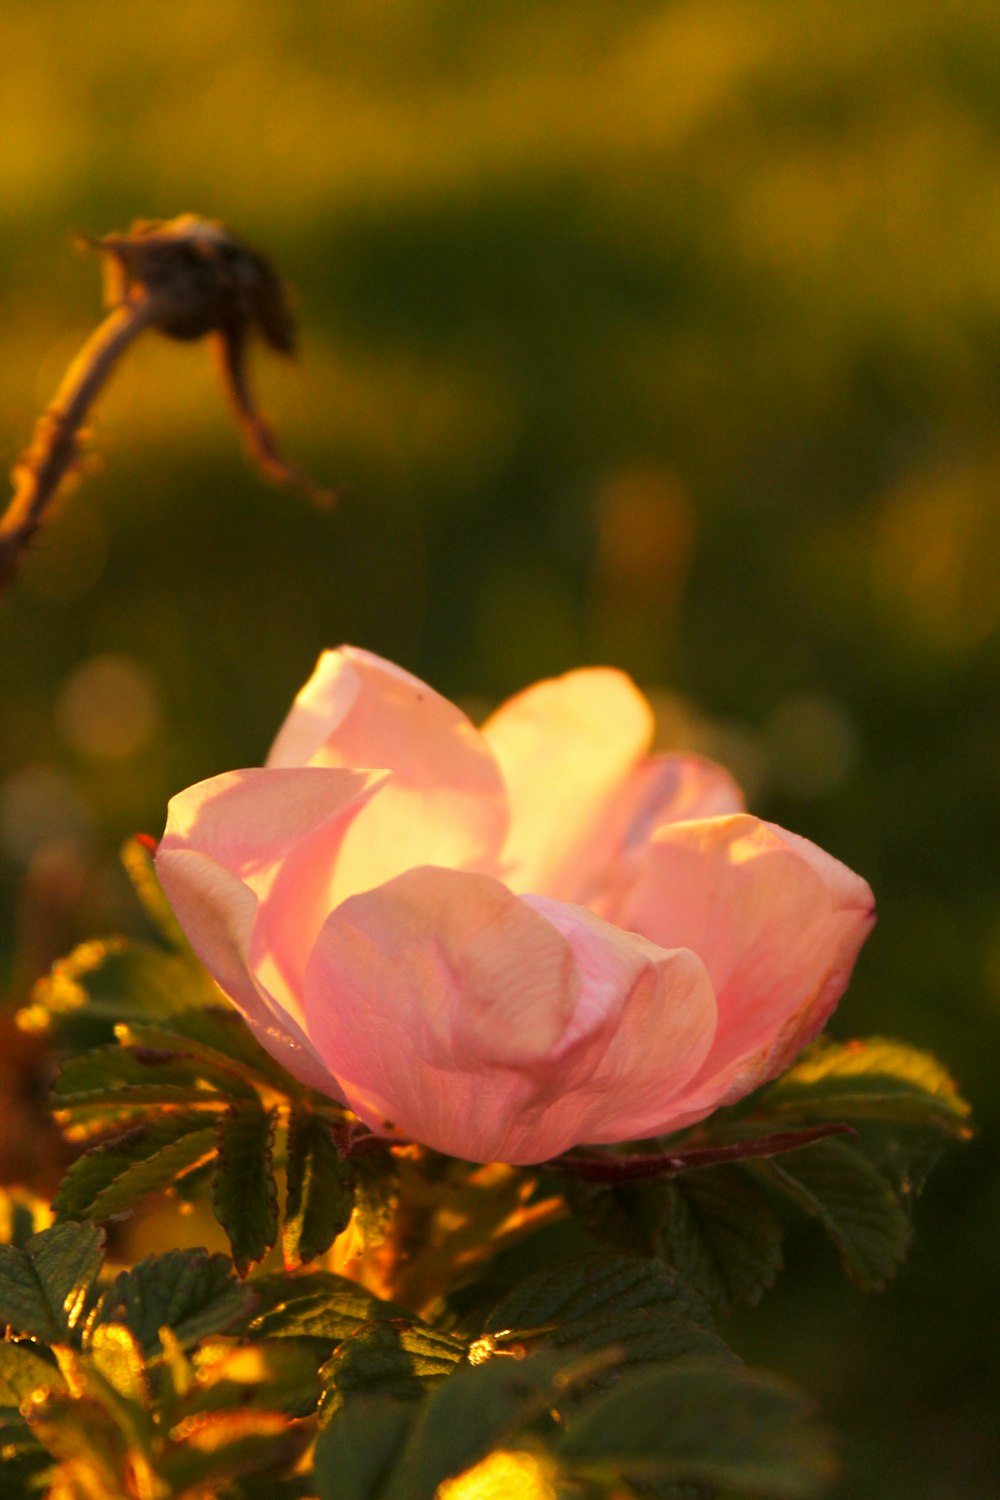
599, 1166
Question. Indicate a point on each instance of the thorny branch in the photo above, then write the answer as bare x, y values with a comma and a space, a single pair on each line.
186, 277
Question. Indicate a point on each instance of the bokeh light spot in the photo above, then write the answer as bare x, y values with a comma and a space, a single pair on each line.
109, 708
39, 805
812, 745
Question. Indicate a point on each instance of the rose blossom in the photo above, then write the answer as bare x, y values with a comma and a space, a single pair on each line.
508, 941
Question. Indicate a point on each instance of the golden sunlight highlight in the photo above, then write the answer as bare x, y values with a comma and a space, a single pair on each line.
502, 1476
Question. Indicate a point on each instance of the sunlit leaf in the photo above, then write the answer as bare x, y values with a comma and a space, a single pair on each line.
869, 1079
318, 1306
23, 1372
188, 1291
141, 870
131, 1078
319, 1200
111, 1178
219, 1045
117, 1356
376, 1193
22, 1214
215, 1448
470, 1415
44, 1284
271, 1375
113, 979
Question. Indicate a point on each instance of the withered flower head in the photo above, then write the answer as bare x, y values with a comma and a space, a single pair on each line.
190, 278
208, 279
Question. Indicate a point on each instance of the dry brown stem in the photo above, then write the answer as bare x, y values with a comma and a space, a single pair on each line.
40, 471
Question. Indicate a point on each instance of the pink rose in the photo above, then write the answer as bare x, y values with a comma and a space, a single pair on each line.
508, 941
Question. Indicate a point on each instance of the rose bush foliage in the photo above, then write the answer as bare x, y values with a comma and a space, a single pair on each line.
505, 942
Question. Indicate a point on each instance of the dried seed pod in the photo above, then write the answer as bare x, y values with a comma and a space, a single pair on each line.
208, 280
189, 278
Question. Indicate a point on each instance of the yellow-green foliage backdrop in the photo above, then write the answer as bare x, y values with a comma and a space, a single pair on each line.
666, 334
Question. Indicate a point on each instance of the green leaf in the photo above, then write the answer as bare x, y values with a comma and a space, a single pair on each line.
602, 1300
466, 1306
188, 1291
219, 1042
376, 1194
110, 1179
84, 1437
130, 1077
244, 1194
726, 1426
628, 1215
834, 1182
319, 1200
468, 1416
722, 1235
318, 1306
44, 1284
400, 1358
357, 1450
113, 979
216, 1448
22, 1372
873, 1079
141, 870
24, 1459
271, 1375
117, 1356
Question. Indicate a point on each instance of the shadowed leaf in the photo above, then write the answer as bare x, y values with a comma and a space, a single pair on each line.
358, 1449
835, 1183
399, 1358
244, 1194
598, 1301
748, 1433
722, 1234
317, 1306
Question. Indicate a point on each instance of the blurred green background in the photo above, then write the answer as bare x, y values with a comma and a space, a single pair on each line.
661, 334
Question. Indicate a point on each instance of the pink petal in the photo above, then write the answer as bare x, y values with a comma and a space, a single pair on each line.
246, 860
433, 1000
445, 803
280, 833
778, 924
661, 789
249, 821
494, 1028
217, 913
565, 747
644, 1023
